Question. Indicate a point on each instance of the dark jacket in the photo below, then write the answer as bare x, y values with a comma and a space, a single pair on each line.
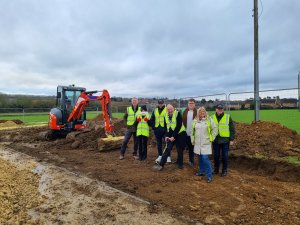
131, 127
222, 140
184, 116
174, 133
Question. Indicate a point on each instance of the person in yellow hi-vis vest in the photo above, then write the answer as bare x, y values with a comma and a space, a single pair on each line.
130, 120
158, 125
225, 137
142, 131
176, 135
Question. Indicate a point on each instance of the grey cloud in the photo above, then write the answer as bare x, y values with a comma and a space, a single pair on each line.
146, 48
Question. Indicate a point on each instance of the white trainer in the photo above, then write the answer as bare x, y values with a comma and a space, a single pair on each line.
169, 159
158, 159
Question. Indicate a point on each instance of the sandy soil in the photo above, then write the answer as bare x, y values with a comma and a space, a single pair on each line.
39, 193
258, 190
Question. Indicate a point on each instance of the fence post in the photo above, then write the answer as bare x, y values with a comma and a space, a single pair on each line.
23, 112
228, 101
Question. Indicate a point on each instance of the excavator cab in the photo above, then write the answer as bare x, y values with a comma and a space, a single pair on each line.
66, 98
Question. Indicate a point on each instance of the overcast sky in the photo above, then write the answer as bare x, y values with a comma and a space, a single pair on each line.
146, 48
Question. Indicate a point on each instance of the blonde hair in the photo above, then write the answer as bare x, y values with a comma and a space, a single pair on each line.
199, 111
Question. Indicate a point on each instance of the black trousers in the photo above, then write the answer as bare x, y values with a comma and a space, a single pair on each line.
142, 140
190, 148
180, 143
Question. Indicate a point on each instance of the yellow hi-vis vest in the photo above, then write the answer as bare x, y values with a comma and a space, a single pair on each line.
208, 129
172, 124
223, 125
131, 115
159, 118
142, 127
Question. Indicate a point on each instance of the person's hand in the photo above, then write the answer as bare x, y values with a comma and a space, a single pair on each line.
231, 142
146, 119
167, 139
139, 119
172, 139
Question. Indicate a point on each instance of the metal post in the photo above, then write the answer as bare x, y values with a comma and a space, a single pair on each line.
256, 63
23, 113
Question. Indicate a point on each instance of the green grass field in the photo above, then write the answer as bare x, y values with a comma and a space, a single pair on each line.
289, 118
32, 118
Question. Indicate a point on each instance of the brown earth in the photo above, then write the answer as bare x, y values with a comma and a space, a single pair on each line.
258, 190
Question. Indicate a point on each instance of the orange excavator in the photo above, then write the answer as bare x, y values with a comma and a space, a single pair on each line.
69, 114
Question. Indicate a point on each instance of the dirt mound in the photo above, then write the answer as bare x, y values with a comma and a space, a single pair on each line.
15, 121
10, 123
266, 139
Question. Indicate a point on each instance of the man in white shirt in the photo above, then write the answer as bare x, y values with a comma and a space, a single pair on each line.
188, 115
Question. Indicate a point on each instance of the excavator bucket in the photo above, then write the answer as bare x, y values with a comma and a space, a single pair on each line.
110, 143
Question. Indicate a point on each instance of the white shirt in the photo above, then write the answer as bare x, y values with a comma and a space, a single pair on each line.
189, 120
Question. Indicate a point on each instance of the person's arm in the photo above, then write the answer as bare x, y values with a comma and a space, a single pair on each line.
125, 118
193, 133
178, 125
213, 129
231, 129
152, 120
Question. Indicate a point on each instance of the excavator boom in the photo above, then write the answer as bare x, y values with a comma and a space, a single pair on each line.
105, 101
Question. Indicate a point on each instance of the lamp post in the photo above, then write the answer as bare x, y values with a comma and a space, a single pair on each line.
256, 63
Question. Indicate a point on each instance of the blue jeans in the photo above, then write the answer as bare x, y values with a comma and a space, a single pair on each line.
205, 166
217, 149
160, 135
127, 137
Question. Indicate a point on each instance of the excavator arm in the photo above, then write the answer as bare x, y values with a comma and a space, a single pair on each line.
87, 96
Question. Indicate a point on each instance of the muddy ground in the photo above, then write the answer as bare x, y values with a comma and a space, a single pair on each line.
261, 187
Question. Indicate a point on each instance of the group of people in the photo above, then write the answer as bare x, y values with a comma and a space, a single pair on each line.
193, 129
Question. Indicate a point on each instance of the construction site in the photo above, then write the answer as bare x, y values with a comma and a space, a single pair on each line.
70, 181
191, 116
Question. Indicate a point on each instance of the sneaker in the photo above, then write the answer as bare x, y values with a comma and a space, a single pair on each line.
135, 157
157, 167
169, 159
191, 164
121, 157
199, 174
180, 167
216, 172
158, 159
209, 180
224, 174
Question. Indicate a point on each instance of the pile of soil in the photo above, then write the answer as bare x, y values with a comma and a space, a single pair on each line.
15, 121
266, 139
10, 123
18, 193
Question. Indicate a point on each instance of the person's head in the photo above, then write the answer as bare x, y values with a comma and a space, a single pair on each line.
134, 101
202, 113
170, 109
191, 104
160, 103
143, 110
219, 109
